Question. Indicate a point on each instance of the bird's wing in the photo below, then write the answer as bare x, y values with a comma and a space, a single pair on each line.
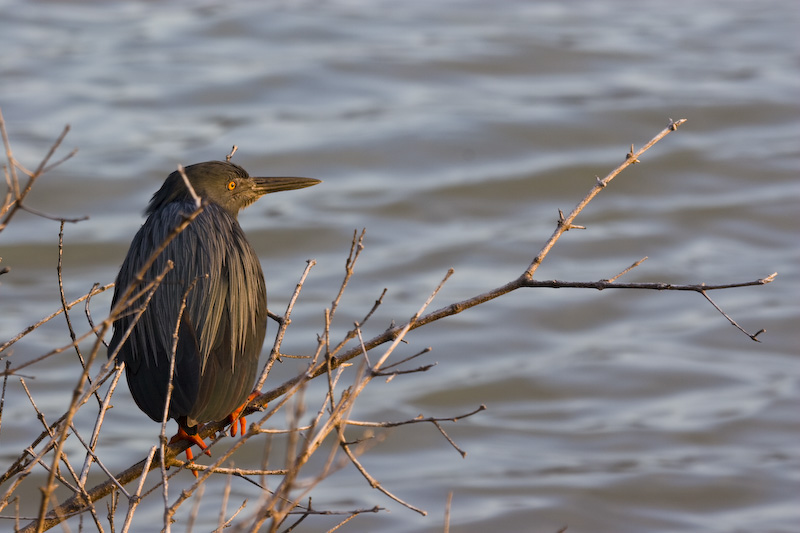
232, 336
224, 293
148, 349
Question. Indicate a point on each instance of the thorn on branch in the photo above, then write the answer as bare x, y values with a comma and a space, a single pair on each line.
631, 155
562, 222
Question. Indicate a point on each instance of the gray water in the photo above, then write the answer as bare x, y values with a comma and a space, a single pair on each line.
453, 132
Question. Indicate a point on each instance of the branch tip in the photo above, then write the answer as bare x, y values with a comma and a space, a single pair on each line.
673, 124
230, 154
768, 279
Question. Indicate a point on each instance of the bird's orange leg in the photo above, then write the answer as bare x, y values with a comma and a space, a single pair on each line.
236, 419
193, 439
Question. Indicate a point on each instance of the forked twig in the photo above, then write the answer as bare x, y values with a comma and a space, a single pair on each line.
16, 195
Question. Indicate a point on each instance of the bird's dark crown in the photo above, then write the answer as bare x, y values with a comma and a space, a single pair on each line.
220, 182
224, 184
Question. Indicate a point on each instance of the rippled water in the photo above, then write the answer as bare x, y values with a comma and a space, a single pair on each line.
453, 132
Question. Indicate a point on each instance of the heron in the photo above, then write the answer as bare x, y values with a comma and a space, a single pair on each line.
214, 297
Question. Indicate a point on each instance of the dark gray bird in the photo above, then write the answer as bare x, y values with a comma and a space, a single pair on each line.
222, 328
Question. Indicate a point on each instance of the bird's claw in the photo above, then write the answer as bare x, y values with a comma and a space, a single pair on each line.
236, 419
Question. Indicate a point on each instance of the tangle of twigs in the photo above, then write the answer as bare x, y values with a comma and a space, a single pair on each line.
289, 501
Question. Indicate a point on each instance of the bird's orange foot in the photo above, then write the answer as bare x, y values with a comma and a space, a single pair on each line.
193, 439
236, 419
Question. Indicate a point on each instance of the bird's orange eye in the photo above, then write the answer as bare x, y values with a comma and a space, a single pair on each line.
231, 185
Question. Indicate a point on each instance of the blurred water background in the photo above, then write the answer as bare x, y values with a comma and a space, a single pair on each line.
453, 131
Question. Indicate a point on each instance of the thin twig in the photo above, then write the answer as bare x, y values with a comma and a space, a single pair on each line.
197, 200
10, 208
376, 485
356, 247
3, 395
634, 265
447, 506
195, 509
417, 420
732, 321
133, 502
104, 406
283, 324
56, 218
165, 416
96, 459
95, 290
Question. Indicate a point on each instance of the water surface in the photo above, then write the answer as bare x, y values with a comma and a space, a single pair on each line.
453, 132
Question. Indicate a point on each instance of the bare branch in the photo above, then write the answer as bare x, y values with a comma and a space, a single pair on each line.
374, 482
566, 222
658, 286
416, 420
331, 417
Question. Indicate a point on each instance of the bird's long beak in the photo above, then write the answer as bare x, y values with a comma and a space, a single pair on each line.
277, 184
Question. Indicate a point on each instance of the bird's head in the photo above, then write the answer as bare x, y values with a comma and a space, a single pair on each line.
223, 183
